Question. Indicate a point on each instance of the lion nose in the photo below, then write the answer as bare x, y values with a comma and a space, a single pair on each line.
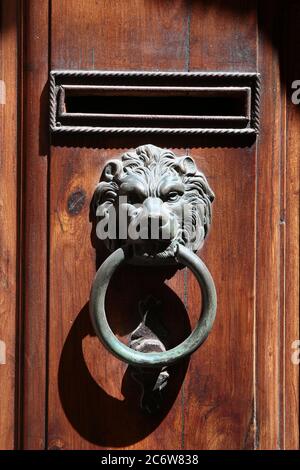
153, 211
155, 220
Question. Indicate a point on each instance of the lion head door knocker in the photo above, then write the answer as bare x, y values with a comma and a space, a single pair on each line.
152, 208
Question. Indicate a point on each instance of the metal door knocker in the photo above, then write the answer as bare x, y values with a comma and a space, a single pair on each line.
152, 208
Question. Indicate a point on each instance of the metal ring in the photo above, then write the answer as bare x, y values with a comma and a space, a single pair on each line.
161, 359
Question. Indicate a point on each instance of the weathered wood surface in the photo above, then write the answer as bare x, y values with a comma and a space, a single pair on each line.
241, 388
8, 220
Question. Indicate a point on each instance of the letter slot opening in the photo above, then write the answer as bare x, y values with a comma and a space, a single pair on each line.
188, 103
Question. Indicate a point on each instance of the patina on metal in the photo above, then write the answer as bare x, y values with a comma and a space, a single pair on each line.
150, 188
149, 336
143, 102
157, 186
153, 359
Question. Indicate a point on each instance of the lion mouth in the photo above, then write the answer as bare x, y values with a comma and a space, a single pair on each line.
151, 248
155, 249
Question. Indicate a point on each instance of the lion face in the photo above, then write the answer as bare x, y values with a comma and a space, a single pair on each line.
152, 199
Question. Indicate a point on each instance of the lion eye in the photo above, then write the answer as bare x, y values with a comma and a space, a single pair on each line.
173, 196
134, 198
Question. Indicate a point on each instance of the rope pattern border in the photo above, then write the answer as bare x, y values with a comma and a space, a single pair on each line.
148, 130
59, 129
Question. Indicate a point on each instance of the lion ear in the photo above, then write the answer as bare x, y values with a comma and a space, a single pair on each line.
112, 170
96, 199
207, 189
187, 166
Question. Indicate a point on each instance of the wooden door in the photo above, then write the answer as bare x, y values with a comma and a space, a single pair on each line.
238, 391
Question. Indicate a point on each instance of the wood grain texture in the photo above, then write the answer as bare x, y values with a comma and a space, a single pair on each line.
219, 385
34, 207
222, 35
219, 390
268, 245
95, 403
292, 235
132, 35
8, 218
89, 388
241, 390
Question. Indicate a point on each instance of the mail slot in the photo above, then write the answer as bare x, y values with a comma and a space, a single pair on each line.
154, 102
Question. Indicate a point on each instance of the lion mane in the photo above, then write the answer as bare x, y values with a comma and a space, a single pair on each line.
150, 164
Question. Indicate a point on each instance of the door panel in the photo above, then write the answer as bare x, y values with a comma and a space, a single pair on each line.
34, 228
8, 221
119, 35
233, 392
219, 387
218, 410
153, 35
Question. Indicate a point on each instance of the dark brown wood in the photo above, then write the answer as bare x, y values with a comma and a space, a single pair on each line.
267, 322
34, 207
234, 23
90, 390
219, 387
8, 220
241, 387
292, 235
